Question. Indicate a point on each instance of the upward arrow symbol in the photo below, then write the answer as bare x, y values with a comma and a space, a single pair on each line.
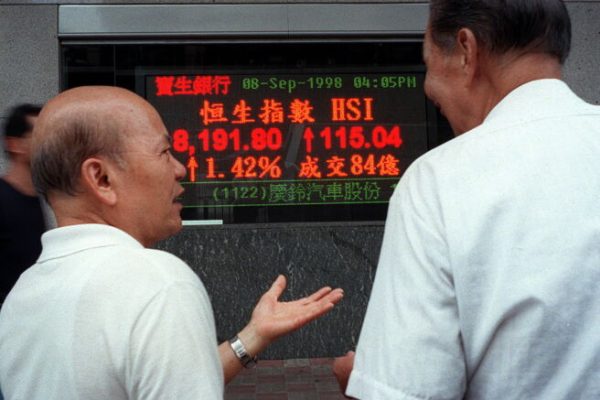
192, 165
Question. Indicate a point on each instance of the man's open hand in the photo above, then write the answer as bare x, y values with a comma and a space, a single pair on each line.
272, 318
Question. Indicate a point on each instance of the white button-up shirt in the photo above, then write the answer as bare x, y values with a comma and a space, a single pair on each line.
488, 285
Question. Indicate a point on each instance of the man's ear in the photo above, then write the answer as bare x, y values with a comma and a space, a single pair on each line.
469, 52
96, 178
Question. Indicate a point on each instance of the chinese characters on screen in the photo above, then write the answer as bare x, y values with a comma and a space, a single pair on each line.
291, 139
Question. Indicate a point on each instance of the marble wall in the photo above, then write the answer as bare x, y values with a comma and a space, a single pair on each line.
238, 263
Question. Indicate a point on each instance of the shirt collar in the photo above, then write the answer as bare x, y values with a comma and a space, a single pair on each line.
534, 100
71, 239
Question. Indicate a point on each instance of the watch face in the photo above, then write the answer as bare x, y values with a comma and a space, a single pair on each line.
240, 352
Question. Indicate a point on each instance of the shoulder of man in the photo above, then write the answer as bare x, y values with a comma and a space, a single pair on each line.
150, 267
449, 155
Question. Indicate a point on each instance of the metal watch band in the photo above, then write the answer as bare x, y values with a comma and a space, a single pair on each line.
240, 352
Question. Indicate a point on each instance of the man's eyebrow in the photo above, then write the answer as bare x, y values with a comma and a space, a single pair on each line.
164, 143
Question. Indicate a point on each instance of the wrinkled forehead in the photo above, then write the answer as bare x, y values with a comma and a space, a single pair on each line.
145, 128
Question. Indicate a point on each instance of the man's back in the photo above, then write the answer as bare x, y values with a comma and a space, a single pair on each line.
125, 322
492, 259
525, 251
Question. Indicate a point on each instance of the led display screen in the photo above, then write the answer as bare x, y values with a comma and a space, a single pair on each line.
291, 139
283, 132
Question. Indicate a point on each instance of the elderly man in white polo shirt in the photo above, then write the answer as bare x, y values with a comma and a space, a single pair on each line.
100, 315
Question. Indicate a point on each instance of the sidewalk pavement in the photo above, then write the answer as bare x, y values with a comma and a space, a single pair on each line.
298, 379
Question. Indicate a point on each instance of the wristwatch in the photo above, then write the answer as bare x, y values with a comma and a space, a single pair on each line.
240, 352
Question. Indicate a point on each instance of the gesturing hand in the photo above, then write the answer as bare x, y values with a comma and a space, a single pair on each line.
272, 318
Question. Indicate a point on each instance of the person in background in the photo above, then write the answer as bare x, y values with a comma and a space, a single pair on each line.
101, 315
489, 275
21, 216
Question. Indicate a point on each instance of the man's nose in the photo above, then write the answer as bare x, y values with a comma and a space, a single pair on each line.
180, 170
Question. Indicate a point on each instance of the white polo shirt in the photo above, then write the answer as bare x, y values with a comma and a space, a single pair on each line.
488, 284
101, 317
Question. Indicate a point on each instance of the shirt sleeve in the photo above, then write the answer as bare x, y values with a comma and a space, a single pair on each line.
410, 344
173, 348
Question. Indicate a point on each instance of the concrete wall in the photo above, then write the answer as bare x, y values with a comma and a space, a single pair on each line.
582, 71
28, 56
237, 263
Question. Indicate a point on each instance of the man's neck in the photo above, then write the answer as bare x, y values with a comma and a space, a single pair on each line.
19, 177
498, 75
511, 71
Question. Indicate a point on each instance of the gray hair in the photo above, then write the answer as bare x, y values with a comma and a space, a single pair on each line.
504, 25
69, 140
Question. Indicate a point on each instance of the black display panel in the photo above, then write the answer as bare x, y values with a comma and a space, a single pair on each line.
279, 132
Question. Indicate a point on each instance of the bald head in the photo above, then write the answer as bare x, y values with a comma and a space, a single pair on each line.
102, 155
78, 124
